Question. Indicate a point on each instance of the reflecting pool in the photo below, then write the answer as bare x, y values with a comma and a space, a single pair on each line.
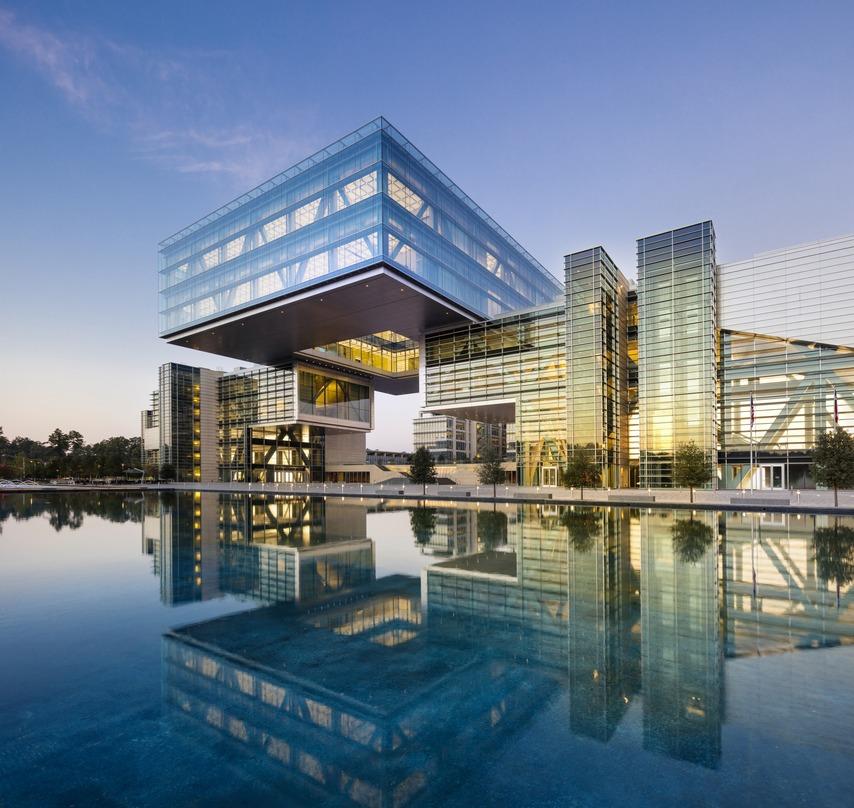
205, 649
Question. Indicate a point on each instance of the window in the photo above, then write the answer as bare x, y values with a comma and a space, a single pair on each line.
306, 214
330, 397
276, 228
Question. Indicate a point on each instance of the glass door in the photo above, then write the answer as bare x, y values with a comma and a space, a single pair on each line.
550, 476
773, 476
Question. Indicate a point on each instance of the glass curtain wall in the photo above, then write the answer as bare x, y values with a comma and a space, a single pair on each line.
596, 310
677, 348
180, 420
520, 357
289, 453
370, 197
250, 398
798, 390
632, 418
333, 397
384, 351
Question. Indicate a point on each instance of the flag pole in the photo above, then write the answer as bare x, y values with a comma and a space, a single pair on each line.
751, 442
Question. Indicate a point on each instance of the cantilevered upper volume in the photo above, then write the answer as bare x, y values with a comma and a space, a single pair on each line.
365, 236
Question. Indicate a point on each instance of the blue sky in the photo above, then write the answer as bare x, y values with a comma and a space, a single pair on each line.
572, 124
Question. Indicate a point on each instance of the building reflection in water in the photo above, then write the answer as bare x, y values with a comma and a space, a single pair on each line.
681, 654
272, 549
391, 690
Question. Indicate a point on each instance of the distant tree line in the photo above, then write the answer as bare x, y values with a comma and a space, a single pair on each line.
66, 454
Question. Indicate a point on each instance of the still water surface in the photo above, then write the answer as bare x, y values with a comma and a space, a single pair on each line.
213, 649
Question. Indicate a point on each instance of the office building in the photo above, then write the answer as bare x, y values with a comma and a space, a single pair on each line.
457, 440
364, 269
179, 430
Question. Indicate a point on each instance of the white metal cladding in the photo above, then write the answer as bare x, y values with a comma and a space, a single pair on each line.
804, 292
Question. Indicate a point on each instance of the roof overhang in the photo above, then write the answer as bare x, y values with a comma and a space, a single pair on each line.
375, 299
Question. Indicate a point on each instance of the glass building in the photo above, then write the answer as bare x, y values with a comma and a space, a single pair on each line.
596, 345
787, 360
367, 220
677, 348
508, 370
457, 440
364, 269
179, 429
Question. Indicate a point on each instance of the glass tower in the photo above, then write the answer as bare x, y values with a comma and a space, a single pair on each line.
596, 331
677, 348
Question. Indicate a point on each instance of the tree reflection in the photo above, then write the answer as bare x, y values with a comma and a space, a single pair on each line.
66, 510
422, 521
582, 527
834, 555
691, 539
492, 529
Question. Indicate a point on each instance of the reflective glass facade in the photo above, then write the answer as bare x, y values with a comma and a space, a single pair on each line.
386, 352
677, 348
367, 199
802, 293
626, 374
596, 334
178, 419
255, 397
521, 358
798, 389
457, 440
331, 397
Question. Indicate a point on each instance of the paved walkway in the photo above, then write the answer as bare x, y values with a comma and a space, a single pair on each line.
794, 501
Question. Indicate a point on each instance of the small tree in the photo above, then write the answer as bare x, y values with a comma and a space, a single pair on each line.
833, 461
581, 471
691, 467
490, 471
422, 468
167, 472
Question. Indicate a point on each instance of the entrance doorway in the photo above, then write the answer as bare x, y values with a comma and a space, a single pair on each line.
773, 476
550, 476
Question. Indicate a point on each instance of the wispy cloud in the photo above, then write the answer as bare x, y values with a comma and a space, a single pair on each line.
174, 109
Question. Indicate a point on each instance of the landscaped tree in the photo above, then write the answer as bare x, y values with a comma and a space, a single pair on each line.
490, 472
691, 467
691, 539
582, 525
423, 524
167, 471
581, 472
833, 461
422, 468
